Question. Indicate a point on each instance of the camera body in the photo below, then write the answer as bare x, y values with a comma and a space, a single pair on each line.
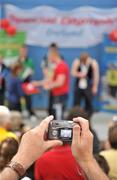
61, 130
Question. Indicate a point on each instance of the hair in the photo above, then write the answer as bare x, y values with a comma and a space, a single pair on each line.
8, 149
84, 56
112, 136
53, 45
78, 111
14, 69
16, 118
102, 163
4, 114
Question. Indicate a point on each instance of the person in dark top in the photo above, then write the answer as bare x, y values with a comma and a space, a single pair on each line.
86, 72
77, 111
3, 75
14, 88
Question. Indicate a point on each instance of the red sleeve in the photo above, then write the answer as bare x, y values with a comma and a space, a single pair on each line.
62, 69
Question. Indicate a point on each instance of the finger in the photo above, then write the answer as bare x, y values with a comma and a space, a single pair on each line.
76, 135
83, 123
53, 143
44, 125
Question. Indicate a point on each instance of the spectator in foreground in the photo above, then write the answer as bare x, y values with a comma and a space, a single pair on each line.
17, 120
102, 163
111, 154
77, 111
8, 148
33, 141
5, 122
59, 164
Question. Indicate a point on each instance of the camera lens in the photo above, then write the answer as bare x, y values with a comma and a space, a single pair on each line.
54, 133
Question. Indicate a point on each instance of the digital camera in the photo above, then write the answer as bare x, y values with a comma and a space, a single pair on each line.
61, 130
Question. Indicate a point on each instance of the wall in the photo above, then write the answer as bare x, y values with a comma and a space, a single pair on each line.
37, 53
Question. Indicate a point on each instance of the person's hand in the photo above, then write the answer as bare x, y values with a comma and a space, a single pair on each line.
33, 144
37, 83
82, 142
46, 86
82, 75
94, 90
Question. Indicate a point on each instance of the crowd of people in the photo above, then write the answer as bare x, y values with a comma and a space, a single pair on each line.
26, 153
62, 161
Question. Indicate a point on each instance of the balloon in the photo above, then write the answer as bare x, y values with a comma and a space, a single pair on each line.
4, 23
113, 35
11, 30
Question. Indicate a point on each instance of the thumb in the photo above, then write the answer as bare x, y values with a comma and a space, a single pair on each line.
76, 134
53, 143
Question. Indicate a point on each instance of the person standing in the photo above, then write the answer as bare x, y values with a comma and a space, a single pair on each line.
111, 76
14, 88
47, 68
59, 85
3, 74
26, 74
86, 72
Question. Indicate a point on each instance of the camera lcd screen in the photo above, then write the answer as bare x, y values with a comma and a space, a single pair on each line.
66, 133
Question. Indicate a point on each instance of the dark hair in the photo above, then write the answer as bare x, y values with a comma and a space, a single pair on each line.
78, 111
7, 152
112, 136
53, 45
17, 66
102, 163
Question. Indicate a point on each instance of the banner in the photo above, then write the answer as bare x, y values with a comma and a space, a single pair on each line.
82, 27
10, 45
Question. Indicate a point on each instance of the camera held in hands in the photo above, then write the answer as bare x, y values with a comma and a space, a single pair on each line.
61, 130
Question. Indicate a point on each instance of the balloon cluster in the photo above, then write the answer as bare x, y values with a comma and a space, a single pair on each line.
10, 30
113, 35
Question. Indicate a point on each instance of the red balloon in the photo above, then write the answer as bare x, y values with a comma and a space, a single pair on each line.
11, 30
4, 23
113, 35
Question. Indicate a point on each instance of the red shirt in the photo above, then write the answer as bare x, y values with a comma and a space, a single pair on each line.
61, 69
58, 164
